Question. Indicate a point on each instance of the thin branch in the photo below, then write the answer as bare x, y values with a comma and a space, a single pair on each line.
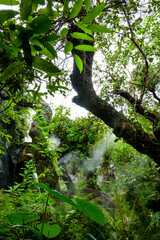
143, 55
138, 107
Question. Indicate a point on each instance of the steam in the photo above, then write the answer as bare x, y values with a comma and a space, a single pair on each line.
82, 163
54, 142
66, 159
99, 150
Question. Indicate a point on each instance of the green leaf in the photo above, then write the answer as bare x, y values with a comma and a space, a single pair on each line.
48, 75
150, 59
87, 4
46, 53
81, 36
68, 47
41, 24
25, 9
76, 8
99, 28
79, 62
53, 88
4, 229
12, 69
49, 231
86, 48
66, 8
116, 85
51, 38
9, 2
64, 32
49, 12
49, 47
56, 194
4, 46
12, 31
7, 14
41, 2
91, 211
93, 13
21, 218
34, 231
37, 48
44, 65
84, 28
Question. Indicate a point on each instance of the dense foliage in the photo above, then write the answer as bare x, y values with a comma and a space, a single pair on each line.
133, 185
40, 36
115, 49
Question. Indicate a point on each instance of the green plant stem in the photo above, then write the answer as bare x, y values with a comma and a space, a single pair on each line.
45, 210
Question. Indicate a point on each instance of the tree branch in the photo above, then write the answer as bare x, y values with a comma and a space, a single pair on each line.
138, 107
122, 127
132, 38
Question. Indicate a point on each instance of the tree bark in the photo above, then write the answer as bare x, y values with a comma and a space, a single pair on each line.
122, 127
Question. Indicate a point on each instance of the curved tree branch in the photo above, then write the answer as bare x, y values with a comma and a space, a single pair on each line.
138, 107
87, 98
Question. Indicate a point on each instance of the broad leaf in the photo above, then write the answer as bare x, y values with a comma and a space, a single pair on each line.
99, 28
64, 32
79, 62
68, 47
93, 13
21, 218
84, 28
86, 48
76, 8
37, 48
25, 9
51, 38
66, 8
41, 24
49, 231
48, 12
87, 4
56, 194
81, 36
44, 65
9, 2
91, 211
7, 14
49, 48
46, 53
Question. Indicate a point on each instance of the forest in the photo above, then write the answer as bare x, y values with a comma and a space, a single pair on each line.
86, 178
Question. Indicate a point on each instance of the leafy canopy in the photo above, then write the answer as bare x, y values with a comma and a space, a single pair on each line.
36, 40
